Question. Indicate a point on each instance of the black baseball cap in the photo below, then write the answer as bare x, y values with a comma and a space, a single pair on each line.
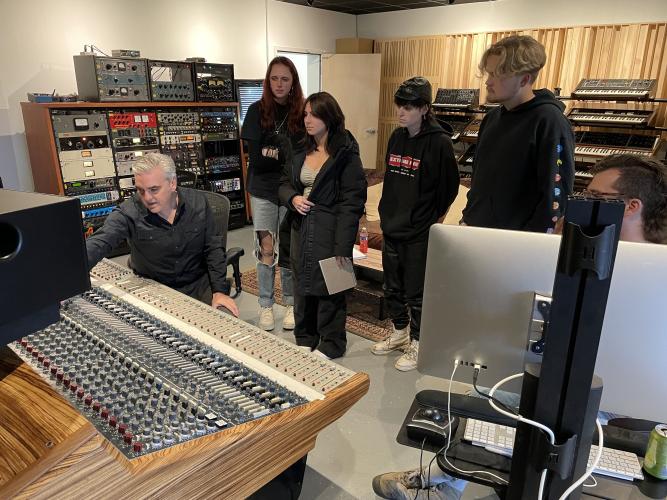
416, 88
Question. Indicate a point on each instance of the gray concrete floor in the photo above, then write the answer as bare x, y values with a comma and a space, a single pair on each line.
362, 443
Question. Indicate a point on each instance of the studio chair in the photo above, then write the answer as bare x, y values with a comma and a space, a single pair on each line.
220, 206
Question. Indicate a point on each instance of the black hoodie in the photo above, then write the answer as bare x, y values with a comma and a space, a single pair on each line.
420, 183
523, 168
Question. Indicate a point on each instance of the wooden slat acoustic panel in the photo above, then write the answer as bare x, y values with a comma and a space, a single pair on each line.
573, 53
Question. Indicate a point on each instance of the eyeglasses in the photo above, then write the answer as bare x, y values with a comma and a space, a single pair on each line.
601, 194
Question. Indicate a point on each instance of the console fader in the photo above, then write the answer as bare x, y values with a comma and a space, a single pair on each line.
144, 392
146, 384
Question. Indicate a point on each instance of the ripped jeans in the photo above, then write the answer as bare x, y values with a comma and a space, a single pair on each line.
267, 216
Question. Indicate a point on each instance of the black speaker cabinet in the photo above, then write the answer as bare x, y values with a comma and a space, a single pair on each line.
42, 260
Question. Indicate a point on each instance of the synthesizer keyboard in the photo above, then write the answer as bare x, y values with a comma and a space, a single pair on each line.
615, 89
456, 98
591, 146
611, 117
458, 122
471, 132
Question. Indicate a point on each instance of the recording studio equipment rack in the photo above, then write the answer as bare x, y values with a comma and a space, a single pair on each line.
111, 79
141, 391
128, 131
171, 81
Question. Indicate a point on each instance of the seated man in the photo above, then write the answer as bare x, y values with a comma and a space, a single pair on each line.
171, 233
642, 183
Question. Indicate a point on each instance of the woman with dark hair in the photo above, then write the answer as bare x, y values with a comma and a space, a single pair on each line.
325, 188
273, 126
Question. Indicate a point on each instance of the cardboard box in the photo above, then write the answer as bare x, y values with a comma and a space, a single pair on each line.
354, 46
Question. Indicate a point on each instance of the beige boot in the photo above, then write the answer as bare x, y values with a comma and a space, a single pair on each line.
408, 361
288, 319
397, 340
266, 319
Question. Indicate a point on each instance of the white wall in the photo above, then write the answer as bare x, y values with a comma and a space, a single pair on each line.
39, 38
509, 14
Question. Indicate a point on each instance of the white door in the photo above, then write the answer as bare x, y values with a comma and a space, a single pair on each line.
354, 80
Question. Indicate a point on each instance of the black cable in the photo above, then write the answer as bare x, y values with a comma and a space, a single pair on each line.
492, 398
421, 457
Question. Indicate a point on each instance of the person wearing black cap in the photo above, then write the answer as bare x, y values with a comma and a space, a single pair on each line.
421, 181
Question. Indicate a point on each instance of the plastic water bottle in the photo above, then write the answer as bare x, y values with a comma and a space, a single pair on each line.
363, 240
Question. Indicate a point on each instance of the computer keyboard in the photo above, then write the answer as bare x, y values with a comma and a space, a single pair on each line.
500, 439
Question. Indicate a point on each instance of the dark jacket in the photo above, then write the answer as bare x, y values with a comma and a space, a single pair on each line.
176, 255
420, 183
330, 228
523, 168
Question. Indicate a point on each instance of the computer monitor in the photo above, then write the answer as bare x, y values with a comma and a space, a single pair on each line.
248, 91
478, 299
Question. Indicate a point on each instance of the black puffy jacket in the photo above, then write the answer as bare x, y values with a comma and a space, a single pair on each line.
330, 228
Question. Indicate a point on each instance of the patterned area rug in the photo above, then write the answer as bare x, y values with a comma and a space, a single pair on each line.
362, 309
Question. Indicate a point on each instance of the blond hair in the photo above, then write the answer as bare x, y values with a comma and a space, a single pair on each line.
518, 55
156, 160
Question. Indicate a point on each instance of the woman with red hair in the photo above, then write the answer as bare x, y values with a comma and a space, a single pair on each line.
273, 127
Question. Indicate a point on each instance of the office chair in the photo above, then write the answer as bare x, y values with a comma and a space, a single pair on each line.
220, 206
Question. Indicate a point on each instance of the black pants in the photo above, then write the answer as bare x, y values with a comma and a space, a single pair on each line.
404, 267
285, 486
320, 323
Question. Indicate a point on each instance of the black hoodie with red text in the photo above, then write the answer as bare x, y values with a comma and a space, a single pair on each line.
420, 183
523, 168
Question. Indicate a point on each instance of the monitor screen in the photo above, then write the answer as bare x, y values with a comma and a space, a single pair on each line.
478, 299
248, 91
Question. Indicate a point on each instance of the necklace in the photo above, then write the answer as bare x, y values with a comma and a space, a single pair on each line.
278, 127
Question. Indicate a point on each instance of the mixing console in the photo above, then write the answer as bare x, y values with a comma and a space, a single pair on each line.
151, 368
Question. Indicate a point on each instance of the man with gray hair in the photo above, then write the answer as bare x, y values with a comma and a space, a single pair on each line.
171, 233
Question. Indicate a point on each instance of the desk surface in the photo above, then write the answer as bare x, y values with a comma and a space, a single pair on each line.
606, 488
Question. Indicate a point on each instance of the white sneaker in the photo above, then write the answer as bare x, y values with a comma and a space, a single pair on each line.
397, 340
266, 319
288, 319
408, 361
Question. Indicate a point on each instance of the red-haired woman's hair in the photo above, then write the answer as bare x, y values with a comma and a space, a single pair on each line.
267, 105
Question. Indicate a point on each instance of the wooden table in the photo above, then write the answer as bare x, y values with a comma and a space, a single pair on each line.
372, 261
